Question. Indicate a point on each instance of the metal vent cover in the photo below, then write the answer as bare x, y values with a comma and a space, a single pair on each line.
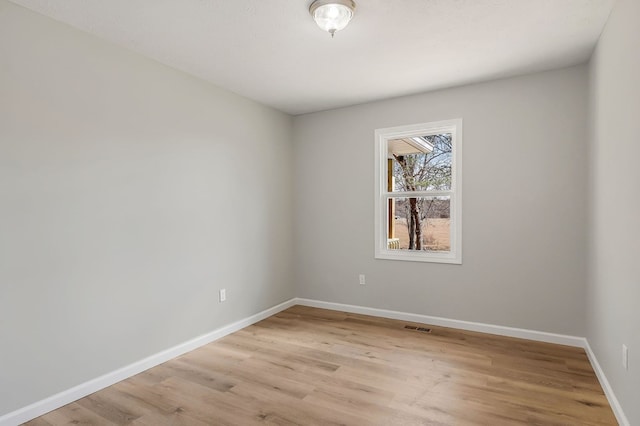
420, 329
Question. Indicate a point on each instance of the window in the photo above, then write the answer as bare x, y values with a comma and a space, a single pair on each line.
418, 192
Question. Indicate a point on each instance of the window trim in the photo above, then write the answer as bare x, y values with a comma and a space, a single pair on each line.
382, 136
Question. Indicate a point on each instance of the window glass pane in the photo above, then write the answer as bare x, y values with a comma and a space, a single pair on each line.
420, 163
422, 224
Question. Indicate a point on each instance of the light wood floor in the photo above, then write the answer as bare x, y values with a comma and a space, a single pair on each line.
309, 366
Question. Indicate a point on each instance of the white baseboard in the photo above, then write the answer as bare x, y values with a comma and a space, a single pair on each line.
500, 330
608, 391
63, 398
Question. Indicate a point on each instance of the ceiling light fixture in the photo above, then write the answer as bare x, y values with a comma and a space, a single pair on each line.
332, 15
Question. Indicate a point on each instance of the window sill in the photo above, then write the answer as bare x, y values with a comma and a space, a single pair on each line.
429, 257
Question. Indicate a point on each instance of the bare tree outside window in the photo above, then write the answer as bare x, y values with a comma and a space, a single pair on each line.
429, 170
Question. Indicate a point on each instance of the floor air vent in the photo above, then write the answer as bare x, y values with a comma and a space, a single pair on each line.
420, 329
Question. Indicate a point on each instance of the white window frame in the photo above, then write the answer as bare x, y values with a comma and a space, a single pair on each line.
382, 136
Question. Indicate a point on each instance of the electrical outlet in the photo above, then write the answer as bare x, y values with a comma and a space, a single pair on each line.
223, 295
363, 281
625, 357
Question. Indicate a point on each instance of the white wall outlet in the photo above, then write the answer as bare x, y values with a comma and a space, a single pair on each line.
363, 280
625, 357
223, 295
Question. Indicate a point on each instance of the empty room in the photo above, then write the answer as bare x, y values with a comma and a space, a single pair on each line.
329, 212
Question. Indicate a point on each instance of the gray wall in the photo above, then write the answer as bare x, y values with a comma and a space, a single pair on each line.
524, 205
613, 315
122, 209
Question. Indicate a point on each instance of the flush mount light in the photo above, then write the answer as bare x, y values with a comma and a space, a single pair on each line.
332, 15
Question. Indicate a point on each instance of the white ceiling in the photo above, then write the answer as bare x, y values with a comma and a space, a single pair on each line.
272, 51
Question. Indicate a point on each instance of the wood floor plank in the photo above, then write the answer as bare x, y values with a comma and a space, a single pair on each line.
75, 414
111, 410
308, 366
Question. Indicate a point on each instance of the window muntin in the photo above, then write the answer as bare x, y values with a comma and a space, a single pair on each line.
418, 198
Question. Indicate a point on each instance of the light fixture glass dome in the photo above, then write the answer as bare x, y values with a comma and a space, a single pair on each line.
332, 15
